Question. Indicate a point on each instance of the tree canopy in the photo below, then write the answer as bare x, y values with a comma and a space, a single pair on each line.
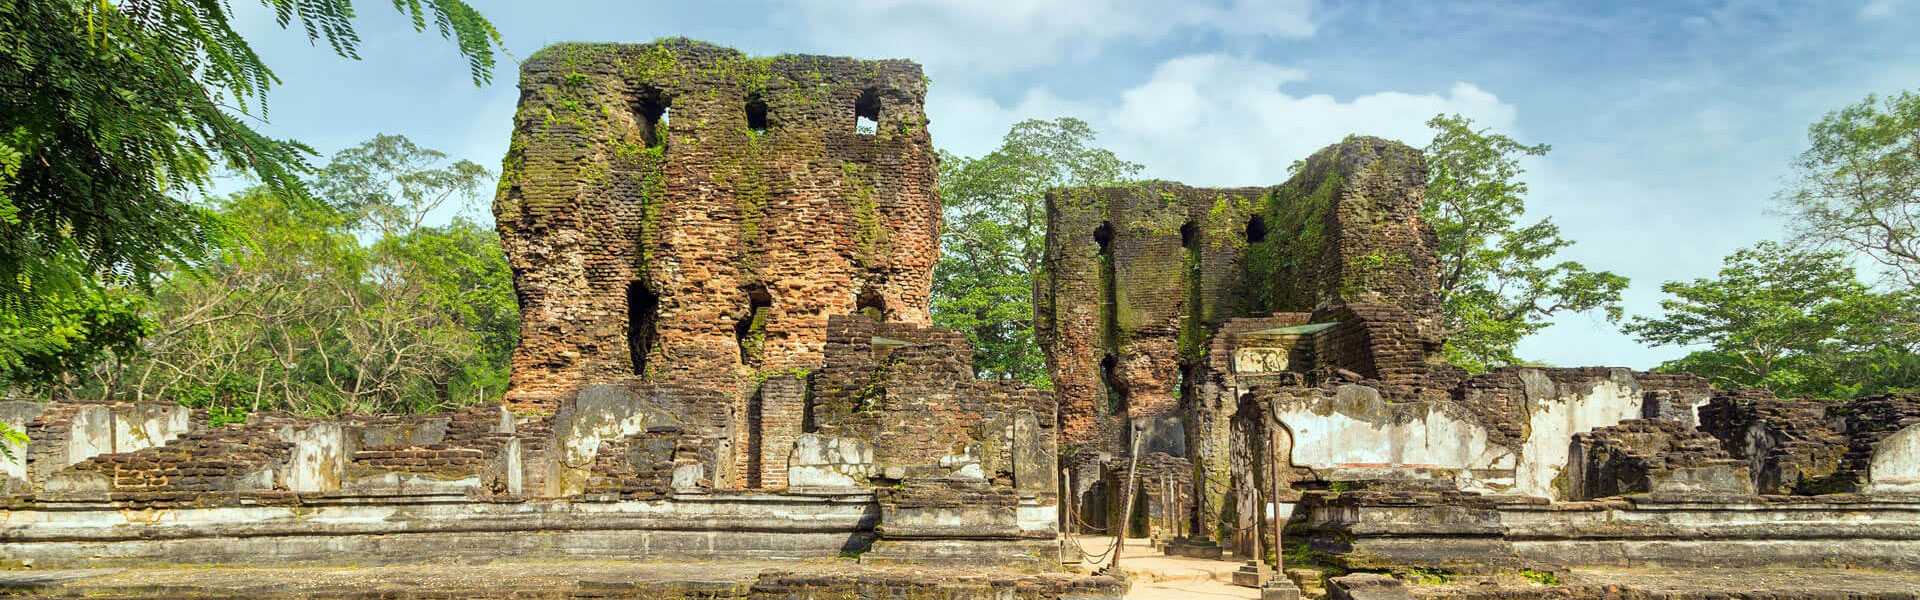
995, 236
347, 304
115, 117
1498, 281
1858, 184
1793, 320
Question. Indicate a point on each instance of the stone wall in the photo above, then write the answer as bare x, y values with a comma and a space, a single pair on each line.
271, 528
1789, 445
1883, 442
1404, 528
1135, 277
913, 388
1140, 277
65, 434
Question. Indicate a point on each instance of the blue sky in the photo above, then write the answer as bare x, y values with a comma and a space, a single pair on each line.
1673, 123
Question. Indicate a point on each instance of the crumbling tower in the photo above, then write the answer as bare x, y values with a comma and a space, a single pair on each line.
1162, 303
680, 213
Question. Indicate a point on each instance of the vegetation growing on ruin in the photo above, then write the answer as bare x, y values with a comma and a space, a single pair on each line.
1297, 217
995, 237
869, 226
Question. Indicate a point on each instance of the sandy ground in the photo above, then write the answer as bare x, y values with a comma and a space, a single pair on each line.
1159, 577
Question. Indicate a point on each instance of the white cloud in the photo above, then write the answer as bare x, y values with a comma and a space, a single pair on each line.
1879, 9
1218, 120
1006, 35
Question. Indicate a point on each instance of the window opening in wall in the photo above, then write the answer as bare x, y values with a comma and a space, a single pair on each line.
643, 321
866, 113
1190, 236
1103, 235
871, 304
1257, 229
751, 330
651, 110
756, 115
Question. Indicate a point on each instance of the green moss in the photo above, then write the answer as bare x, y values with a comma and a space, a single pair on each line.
1540, 577
1296, 553
1364, 270
871, 245
1429, 576
1282, 268
1193, 329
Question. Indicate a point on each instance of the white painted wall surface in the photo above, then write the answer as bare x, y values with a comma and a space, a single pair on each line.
1356, 429
1896, 462
1557, 412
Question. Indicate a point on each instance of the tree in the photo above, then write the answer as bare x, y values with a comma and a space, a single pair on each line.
995, 236
390, 185
1497, 284
1858, 184
334, 307
1792, 320
114, 113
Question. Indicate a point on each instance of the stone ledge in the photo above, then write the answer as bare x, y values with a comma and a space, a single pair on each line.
747, 579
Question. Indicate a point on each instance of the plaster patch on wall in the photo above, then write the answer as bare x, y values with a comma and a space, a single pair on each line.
1556, 412
1356, 429
1896, 462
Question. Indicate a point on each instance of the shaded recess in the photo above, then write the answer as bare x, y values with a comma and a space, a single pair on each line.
643, 317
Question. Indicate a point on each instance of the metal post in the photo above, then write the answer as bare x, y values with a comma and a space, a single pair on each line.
1279, 587
1126, 513
1273, 495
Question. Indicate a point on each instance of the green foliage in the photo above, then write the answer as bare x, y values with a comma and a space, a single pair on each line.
9, 437
115, 112
1497, 282
346, 305
390, 185
1792, 320
995, 237
1859, 183
42, 347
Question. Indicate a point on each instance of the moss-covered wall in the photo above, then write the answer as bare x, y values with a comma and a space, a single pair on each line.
1346, 229
1141, 277
1135, 277
746, 231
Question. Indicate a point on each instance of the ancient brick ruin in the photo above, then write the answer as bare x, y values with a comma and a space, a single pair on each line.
1283, 343
679, 212
723, 266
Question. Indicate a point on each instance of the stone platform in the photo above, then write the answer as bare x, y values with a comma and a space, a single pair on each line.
829, 578
1689, 584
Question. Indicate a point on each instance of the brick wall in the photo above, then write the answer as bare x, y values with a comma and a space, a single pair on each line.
679, 211
1619, 460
